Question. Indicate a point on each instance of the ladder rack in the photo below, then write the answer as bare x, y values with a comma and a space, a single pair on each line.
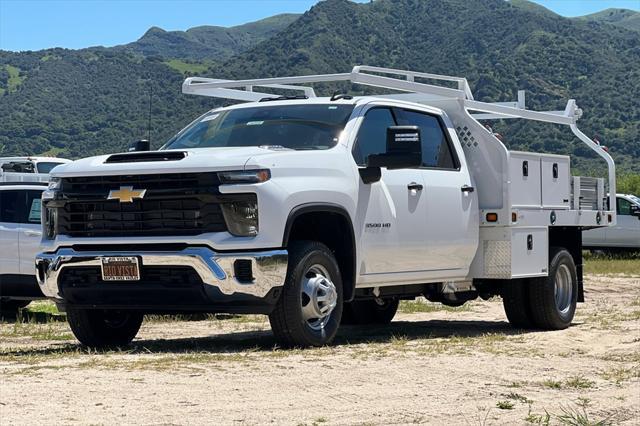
403, 81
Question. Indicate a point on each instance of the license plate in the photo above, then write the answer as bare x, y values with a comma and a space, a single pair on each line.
120, 268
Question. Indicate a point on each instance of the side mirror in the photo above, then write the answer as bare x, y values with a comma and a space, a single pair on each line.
635, 211
404, 151
141, 145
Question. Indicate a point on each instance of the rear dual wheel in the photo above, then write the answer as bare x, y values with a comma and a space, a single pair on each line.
547, 302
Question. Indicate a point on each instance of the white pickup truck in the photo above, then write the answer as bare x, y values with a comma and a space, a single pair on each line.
28, 169
311, 209
625, 236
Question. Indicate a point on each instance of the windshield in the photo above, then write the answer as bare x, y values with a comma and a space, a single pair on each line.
291, 126
45, 167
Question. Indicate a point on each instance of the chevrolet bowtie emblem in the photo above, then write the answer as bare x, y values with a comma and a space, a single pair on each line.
126, 194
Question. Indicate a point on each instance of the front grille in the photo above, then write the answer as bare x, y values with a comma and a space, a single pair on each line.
173, 204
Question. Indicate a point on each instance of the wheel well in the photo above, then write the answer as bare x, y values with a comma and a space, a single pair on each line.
332, 227
569, 238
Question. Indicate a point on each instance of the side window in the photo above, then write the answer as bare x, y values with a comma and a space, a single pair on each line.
372, 135
10, 206
436, 150
624, 206
34, 206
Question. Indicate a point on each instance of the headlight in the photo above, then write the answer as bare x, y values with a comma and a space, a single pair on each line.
241, 217
54, 184
244, 176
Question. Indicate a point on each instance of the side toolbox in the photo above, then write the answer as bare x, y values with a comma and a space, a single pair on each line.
512, 252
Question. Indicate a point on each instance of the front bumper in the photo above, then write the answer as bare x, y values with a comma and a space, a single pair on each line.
215, 270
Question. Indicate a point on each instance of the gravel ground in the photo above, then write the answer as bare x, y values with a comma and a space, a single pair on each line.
431, 365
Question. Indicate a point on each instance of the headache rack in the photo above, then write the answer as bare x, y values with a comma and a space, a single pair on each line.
436, 93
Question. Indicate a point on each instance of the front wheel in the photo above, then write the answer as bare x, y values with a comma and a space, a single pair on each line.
309, 310
104, 329
553, 299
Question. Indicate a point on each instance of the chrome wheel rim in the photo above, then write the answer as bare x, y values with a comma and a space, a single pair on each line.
318, 297
563, 288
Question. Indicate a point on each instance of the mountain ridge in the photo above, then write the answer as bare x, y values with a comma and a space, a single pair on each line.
96, 100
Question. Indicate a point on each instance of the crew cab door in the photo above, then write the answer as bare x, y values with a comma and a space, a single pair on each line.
9, 231
20, 230
451, 223
30, 231
391, 211
626, 233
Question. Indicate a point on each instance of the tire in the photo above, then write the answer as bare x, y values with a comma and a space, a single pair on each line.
104, 329
11, 307
373, 311
515, 299
551, 310
300, 318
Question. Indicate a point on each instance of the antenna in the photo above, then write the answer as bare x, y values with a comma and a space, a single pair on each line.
150, 95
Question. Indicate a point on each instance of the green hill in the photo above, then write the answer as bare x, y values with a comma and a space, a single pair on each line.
209, 42
97, 100
624, 18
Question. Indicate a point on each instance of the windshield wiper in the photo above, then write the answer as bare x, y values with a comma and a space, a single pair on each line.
282, 98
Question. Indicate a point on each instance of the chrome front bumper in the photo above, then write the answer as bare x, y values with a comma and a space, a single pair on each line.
215, 269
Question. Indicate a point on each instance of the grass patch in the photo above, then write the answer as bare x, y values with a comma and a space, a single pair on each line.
578, 417
621, 374
505, 405
422, 306
552, 384
51, 330
184, 67
579, 382
611, 265
15, 79
517, 397
44, 307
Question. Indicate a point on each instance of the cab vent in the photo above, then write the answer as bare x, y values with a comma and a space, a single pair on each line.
466, 138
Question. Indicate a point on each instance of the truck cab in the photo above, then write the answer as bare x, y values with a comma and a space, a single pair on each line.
319, 211
28, 169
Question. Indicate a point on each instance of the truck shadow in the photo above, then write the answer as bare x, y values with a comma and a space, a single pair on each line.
262, 341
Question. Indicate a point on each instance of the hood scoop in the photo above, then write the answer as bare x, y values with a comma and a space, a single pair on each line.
146, 157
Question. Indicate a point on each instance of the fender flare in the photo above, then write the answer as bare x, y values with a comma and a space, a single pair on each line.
302, 209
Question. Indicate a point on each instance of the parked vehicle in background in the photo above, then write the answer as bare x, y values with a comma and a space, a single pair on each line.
304, 208
20, 234
28, 169
625, 235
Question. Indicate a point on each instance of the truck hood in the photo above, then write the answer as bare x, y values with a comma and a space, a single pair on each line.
195, 160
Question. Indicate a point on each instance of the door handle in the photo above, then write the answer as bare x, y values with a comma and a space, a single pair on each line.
413, 186
31, 233
467, 188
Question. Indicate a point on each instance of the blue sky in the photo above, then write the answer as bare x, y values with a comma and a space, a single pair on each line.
40, 24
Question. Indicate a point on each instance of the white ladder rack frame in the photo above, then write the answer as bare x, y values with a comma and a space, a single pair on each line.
242, 90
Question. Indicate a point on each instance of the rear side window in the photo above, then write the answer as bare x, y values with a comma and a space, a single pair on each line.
46, 166
20, 206
372, 135
436, 149
624, 207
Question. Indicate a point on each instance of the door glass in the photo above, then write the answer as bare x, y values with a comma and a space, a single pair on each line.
436, 151
372, 135
10, 203
35, 210
624, 206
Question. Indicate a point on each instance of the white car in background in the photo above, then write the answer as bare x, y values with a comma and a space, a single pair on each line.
28, 169
625, 235
20, 234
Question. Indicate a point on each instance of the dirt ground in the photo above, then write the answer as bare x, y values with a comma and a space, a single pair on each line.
431, 365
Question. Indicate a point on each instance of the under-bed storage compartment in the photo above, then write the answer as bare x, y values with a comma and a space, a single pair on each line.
512, 252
